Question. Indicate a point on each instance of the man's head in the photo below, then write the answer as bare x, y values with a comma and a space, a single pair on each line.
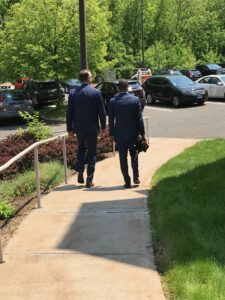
123, 85
85, 76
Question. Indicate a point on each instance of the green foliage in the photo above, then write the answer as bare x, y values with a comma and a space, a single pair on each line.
52, 173
187, 210
35, 127
6, 209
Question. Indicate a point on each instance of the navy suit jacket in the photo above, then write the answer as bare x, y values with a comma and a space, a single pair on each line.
85, 109
125, 117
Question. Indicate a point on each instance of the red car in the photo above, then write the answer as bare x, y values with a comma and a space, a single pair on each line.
21, 83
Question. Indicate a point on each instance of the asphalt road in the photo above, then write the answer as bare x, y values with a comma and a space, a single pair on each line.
207, 121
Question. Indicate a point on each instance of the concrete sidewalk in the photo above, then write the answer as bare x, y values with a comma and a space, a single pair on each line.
89, 243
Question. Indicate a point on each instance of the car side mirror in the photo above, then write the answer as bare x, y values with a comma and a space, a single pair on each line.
219, 83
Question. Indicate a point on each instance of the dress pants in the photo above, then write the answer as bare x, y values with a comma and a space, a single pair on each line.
86, 154
123, 148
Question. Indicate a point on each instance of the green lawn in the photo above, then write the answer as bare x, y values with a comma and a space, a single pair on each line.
187, 209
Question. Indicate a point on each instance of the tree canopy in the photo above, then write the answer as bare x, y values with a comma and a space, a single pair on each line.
40, 39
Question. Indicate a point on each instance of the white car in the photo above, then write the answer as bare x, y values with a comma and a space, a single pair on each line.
214, 84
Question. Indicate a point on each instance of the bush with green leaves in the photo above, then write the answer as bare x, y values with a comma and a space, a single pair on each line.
6, 209
35, 127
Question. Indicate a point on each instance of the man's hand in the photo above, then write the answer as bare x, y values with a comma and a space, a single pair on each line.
71, 134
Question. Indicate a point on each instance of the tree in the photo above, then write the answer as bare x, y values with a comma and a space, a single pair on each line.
41, 39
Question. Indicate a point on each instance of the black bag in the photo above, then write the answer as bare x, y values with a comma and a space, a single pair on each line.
140, 144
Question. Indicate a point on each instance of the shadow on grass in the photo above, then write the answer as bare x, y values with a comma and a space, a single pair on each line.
188, 217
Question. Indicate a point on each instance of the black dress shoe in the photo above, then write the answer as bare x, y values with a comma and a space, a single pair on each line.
80, 177
136, 181
89, 185
127, 185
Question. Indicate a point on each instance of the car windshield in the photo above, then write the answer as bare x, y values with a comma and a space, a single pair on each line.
214, 66
133, 85
16, 96
181, 81
223, 78
47, 86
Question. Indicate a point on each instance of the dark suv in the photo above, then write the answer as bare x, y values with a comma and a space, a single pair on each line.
177, 89
210, 69
44, 92
192, 74
110, 88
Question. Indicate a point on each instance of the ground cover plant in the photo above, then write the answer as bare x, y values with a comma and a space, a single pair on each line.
57, 113
187, 208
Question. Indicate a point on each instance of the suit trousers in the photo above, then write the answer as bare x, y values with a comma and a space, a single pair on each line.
86, 154
123, 148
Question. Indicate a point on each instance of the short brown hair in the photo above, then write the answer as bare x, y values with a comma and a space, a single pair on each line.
84, 75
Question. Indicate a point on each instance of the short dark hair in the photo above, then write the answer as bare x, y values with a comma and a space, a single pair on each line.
123, 85
84, 75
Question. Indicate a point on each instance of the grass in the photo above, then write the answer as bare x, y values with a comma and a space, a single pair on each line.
51, 174
187, 208
57, 113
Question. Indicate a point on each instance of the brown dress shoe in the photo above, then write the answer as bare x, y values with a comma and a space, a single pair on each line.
89, 185
80, 177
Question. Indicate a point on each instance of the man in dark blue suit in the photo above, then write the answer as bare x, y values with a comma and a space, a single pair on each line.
85, 109
125, 124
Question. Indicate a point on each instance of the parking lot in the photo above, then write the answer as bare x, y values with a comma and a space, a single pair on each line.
194, 121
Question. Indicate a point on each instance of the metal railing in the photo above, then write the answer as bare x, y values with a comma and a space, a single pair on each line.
34, 147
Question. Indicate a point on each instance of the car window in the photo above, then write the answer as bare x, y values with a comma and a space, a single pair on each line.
214, 80
205, 80
99, 86
134, 85
153, 81
47, 86
181, 81
214, 67
16, 96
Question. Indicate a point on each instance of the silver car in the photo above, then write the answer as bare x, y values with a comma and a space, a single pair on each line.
214, 84
11, 102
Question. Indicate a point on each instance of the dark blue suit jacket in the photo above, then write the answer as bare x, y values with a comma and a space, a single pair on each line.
85, 108
125, 117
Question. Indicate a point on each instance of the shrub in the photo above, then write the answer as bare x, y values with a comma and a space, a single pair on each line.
6, 209
35, 128
14, 144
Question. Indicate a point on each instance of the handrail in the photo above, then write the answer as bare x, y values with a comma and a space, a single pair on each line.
27, 150
36, 166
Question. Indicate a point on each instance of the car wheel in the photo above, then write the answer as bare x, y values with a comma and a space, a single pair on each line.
175, 101
149, 99
201, 102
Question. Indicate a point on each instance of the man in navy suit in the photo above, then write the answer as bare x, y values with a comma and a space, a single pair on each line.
85, 109
125, 124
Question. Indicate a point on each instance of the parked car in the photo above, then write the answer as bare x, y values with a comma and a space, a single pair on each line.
13, 101
21, 82
6, 86
168, 72
214, 84
221, 64
176, 89
208, 69
192, 74
44, 92
110, 88
70, 84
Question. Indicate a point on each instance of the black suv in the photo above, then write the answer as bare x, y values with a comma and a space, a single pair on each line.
210, 69
177, 89
110, 88
44, 92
